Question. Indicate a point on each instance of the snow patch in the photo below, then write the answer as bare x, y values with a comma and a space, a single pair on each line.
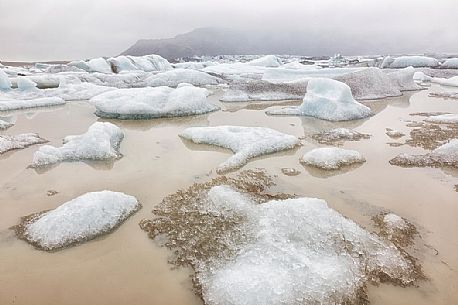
330, 158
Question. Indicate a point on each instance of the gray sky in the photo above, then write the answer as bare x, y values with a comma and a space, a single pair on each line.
72, 29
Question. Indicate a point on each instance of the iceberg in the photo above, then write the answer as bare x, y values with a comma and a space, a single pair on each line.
121, 63
451, 63
270, 61
156, 102
331, 158
5, 82
369, 84
414, 61
403, 79
8, 105
327, 99
175, 77
20, 141
258, 90
78, 220
25, 84
99, 65
298, 251
421, 77
149, 63
245, 142
100, 142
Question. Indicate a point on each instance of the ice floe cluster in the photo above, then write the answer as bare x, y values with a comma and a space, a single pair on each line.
78, 220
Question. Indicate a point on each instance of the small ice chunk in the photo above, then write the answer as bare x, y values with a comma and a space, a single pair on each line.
245, 142
421, 77
25, 84
5, 82
394, 222
20, 141
394, 133
156, 102
332, 157
175, 77
451, 63
414, 61
5, 124
8, 105
270, 61
445, 155
443, 119
79, 220
403, 79
327, 99
339, 134
100, 142
453, 81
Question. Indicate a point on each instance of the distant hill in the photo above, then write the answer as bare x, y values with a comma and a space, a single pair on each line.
217, 41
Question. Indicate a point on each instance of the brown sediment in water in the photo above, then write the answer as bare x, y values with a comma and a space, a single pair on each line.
395, 144
332, 138
431, 136
426, 160
194, 235
21, 231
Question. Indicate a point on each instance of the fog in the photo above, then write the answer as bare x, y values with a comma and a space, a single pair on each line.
63, 30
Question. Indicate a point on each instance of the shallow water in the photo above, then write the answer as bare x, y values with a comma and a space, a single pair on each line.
126, 267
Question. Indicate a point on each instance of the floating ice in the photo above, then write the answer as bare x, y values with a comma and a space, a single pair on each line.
451, 63
414, 61
421, 77
453, 81
394, 133
403, 79
20, 141
78, 220
370, 83
194, 65
99, 65
283, 75
327, 99
444, 94
145, 103
332, 157
25, 84
175, 77
8, 105
443, 119
42, 81
245, 142
122, 63
5, 82
270, 61
445, 155
100, 142
149, 63
299, 251
5, 124
258, 90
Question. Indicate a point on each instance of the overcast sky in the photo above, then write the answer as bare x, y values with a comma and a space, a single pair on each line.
72, 29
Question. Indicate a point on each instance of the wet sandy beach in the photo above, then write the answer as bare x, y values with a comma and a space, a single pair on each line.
126, 267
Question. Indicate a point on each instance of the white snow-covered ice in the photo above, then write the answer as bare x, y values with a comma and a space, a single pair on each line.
100, 142
449, 118
175, 77
20, 141
5, 82
330, 158
327, 99
270, 61
414, 61
452, 81
5, 124
245, 142
300, 251
153, 102
451, 63
80, 219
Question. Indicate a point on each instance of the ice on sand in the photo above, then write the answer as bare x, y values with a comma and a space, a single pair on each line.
298, 251
245, 142
100, 142
330, 158
79, 220
327, 99
156, 102
20, 141
8, 105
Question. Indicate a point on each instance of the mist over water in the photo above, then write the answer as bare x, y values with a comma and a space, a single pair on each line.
55, 30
